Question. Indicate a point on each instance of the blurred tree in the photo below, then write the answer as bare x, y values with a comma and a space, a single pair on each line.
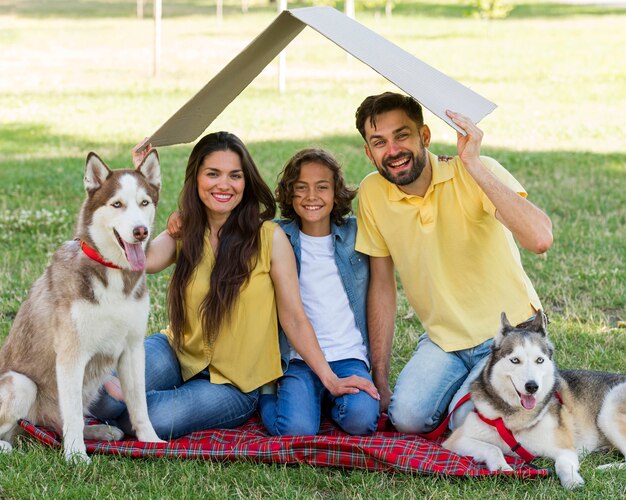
491, 9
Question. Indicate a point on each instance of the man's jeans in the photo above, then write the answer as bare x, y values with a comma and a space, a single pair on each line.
431, 384
302, 398
176, 407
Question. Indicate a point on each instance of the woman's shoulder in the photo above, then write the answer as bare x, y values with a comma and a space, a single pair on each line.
267, 231
269, 226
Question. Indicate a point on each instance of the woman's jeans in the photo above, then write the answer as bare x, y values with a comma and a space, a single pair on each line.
431, 384
176, 407
302, 399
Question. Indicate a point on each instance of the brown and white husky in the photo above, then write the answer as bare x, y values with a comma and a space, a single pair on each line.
86, 315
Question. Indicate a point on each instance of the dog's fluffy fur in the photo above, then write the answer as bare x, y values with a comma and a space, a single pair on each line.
81, 319
519, 384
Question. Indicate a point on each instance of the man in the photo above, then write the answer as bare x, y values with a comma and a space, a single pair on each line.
448, 228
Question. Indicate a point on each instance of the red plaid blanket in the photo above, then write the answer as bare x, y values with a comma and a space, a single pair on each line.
382, 451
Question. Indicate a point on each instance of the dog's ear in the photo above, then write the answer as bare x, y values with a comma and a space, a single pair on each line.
96, 172
539, 324
150, 168
505, 327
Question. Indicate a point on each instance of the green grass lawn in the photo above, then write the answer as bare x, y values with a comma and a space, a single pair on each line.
76, 76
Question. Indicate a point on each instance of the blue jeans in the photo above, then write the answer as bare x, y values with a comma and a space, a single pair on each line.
432, 382
176, 407
297, 408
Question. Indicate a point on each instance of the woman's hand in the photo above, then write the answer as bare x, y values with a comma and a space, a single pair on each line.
140, 151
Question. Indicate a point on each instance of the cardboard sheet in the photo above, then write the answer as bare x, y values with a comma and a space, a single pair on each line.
433, 89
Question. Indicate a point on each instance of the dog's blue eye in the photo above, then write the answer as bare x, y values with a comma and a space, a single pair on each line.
117, 204
515, 361
145, 203
539, 361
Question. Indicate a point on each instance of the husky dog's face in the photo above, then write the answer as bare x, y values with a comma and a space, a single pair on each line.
120, 208
522, 370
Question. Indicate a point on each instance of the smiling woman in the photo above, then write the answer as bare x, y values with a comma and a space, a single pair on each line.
220, 185
235, 276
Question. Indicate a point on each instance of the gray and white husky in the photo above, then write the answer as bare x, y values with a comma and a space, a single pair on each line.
551, 413
86, 315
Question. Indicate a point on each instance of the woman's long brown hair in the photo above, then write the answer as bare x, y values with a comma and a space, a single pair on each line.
239, 239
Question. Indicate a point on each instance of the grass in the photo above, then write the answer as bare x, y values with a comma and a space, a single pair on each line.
76, 76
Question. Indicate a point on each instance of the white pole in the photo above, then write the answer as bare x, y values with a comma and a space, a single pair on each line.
282, 57
220, 11
389, 9
349, 11
349, 7
157, 36
139, 9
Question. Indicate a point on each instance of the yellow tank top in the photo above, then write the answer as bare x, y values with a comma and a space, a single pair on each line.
245, 353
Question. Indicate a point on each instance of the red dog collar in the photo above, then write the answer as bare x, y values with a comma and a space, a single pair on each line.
93, 254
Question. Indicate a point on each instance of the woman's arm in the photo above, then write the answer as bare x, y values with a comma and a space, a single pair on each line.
161, 253
297, 327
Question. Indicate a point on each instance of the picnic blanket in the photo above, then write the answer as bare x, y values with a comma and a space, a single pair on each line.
385, 450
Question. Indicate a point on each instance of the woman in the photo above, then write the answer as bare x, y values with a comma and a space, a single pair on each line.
235, 271
315, 204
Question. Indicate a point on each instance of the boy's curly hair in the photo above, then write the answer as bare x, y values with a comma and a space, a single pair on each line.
284, 190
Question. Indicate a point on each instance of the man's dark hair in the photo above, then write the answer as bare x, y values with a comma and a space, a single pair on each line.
375, 105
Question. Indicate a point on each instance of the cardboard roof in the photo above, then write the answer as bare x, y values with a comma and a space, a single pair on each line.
434, 90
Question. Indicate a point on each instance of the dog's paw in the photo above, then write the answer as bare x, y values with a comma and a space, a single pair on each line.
501, 466
571, 481
77, 458
149, 437
157, 440
103, 432
497, 462
5, 447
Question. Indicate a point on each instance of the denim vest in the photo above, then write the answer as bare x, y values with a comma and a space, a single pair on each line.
353, 268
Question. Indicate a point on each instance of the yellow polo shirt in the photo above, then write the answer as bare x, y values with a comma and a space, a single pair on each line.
246, 352
459, 266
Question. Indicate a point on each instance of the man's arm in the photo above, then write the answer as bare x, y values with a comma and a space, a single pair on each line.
381, 317
531, 226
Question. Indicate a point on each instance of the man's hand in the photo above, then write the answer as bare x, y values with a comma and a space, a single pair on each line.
468, 146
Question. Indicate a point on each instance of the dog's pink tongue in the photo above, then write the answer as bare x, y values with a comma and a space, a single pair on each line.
528, 401
135, 255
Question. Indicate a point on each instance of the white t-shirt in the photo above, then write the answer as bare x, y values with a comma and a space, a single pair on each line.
326, 303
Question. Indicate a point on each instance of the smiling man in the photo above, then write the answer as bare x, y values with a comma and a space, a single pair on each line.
448, 227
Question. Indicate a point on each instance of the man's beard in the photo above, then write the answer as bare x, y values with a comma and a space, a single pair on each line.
417, 166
